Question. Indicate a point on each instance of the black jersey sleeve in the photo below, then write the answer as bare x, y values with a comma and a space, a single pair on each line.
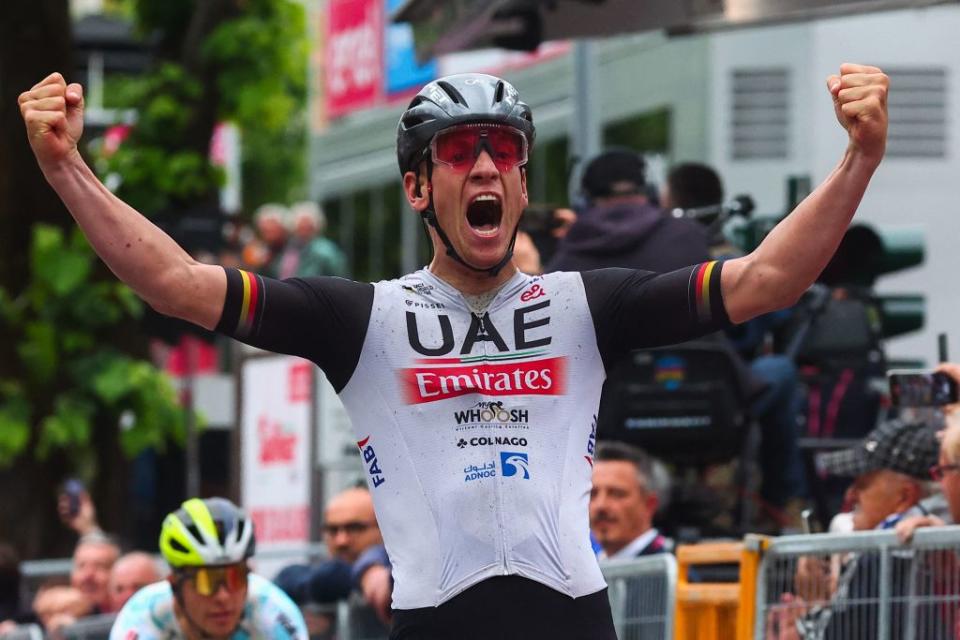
635, 309
323, 319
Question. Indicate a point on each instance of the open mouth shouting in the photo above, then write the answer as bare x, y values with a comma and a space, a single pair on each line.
484, 214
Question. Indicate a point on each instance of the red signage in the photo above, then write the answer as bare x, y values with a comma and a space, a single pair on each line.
277, 444
299, 382
354, 55
281, 524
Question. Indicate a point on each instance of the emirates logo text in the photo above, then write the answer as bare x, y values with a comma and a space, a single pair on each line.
534, 377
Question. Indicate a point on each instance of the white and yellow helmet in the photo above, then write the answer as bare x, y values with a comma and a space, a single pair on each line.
208, 532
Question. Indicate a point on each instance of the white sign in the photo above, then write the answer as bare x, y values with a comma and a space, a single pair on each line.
275, 451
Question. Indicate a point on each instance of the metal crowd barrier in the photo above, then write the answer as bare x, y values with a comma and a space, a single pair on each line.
357, 621
642, 595
90, 628
24, 632
860, 586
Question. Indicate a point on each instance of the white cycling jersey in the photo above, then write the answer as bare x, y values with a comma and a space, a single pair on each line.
477, 430
269, 614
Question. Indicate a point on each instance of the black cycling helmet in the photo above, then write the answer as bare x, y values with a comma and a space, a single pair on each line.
459, 99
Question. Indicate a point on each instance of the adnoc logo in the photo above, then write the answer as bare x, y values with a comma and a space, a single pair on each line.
513, 463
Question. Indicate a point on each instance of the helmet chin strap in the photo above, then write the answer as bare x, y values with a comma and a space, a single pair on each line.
429, 216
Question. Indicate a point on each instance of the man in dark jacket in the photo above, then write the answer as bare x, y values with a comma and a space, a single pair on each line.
622, 228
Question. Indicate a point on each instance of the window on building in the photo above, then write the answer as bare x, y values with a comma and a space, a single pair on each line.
918, 112
760, 114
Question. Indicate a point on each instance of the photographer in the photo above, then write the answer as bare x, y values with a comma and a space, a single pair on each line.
621, 228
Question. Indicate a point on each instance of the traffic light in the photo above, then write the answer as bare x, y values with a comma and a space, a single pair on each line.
865, 254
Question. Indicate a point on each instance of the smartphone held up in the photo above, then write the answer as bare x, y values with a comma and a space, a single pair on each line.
919, 388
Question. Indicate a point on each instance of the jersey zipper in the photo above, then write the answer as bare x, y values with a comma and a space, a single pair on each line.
498, 479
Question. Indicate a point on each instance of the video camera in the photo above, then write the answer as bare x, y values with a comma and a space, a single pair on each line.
719, 213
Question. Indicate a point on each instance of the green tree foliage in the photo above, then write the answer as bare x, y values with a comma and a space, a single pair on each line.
72, 379
220, 60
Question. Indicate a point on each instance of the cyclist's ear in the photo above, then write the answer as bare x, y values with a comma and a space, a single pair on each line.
417, 190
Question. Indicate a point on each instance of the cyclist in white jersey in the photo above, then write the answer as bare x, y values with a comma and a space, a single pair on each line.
211, 593
471, 387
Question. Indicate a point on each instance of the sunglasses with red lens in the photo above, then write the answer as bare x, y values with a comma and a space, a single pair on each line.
459, 147
208, 580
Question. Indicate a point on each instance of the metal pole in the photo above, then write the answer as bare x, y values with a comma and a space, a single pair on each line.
192, 445
585, 137
885, 595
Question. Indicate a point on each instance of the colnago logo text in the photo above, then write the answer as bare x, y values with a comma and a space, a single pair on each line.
502, 371
491, 441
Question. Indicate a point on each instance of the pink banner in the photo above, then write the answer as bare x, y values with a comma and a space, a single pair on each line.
354, 55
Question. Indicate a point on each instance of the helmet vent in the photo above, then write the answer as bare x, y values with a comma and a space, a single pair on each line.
498, 97
452, 92
195, 532
241, 525
178, 546
415, 120
221, 533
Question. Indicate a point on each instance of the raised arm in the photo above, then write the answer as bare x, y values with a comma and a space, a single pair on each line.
136, 250
792, 256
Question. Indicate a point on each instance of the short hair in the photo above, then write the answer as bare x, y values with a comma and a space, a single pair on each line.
694, 185
652, 475
613, 451
310, 210
615, 172
99, 537
271, 211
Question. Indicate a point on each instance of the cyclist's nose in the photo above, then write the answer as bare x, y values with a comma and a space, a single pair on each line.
484, 168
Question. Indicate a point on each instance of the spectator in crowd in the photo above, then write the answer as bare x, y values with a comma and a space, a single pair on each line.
271, 223
93, 558
621, 228
358, 558
624, 498
60, 606
889, 468
129, 574
349, 524
691, 185
309, 252
946, 472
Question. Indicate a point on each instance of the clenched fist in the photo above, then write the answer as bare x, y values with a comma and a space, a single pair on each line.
860, 102
53, 113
